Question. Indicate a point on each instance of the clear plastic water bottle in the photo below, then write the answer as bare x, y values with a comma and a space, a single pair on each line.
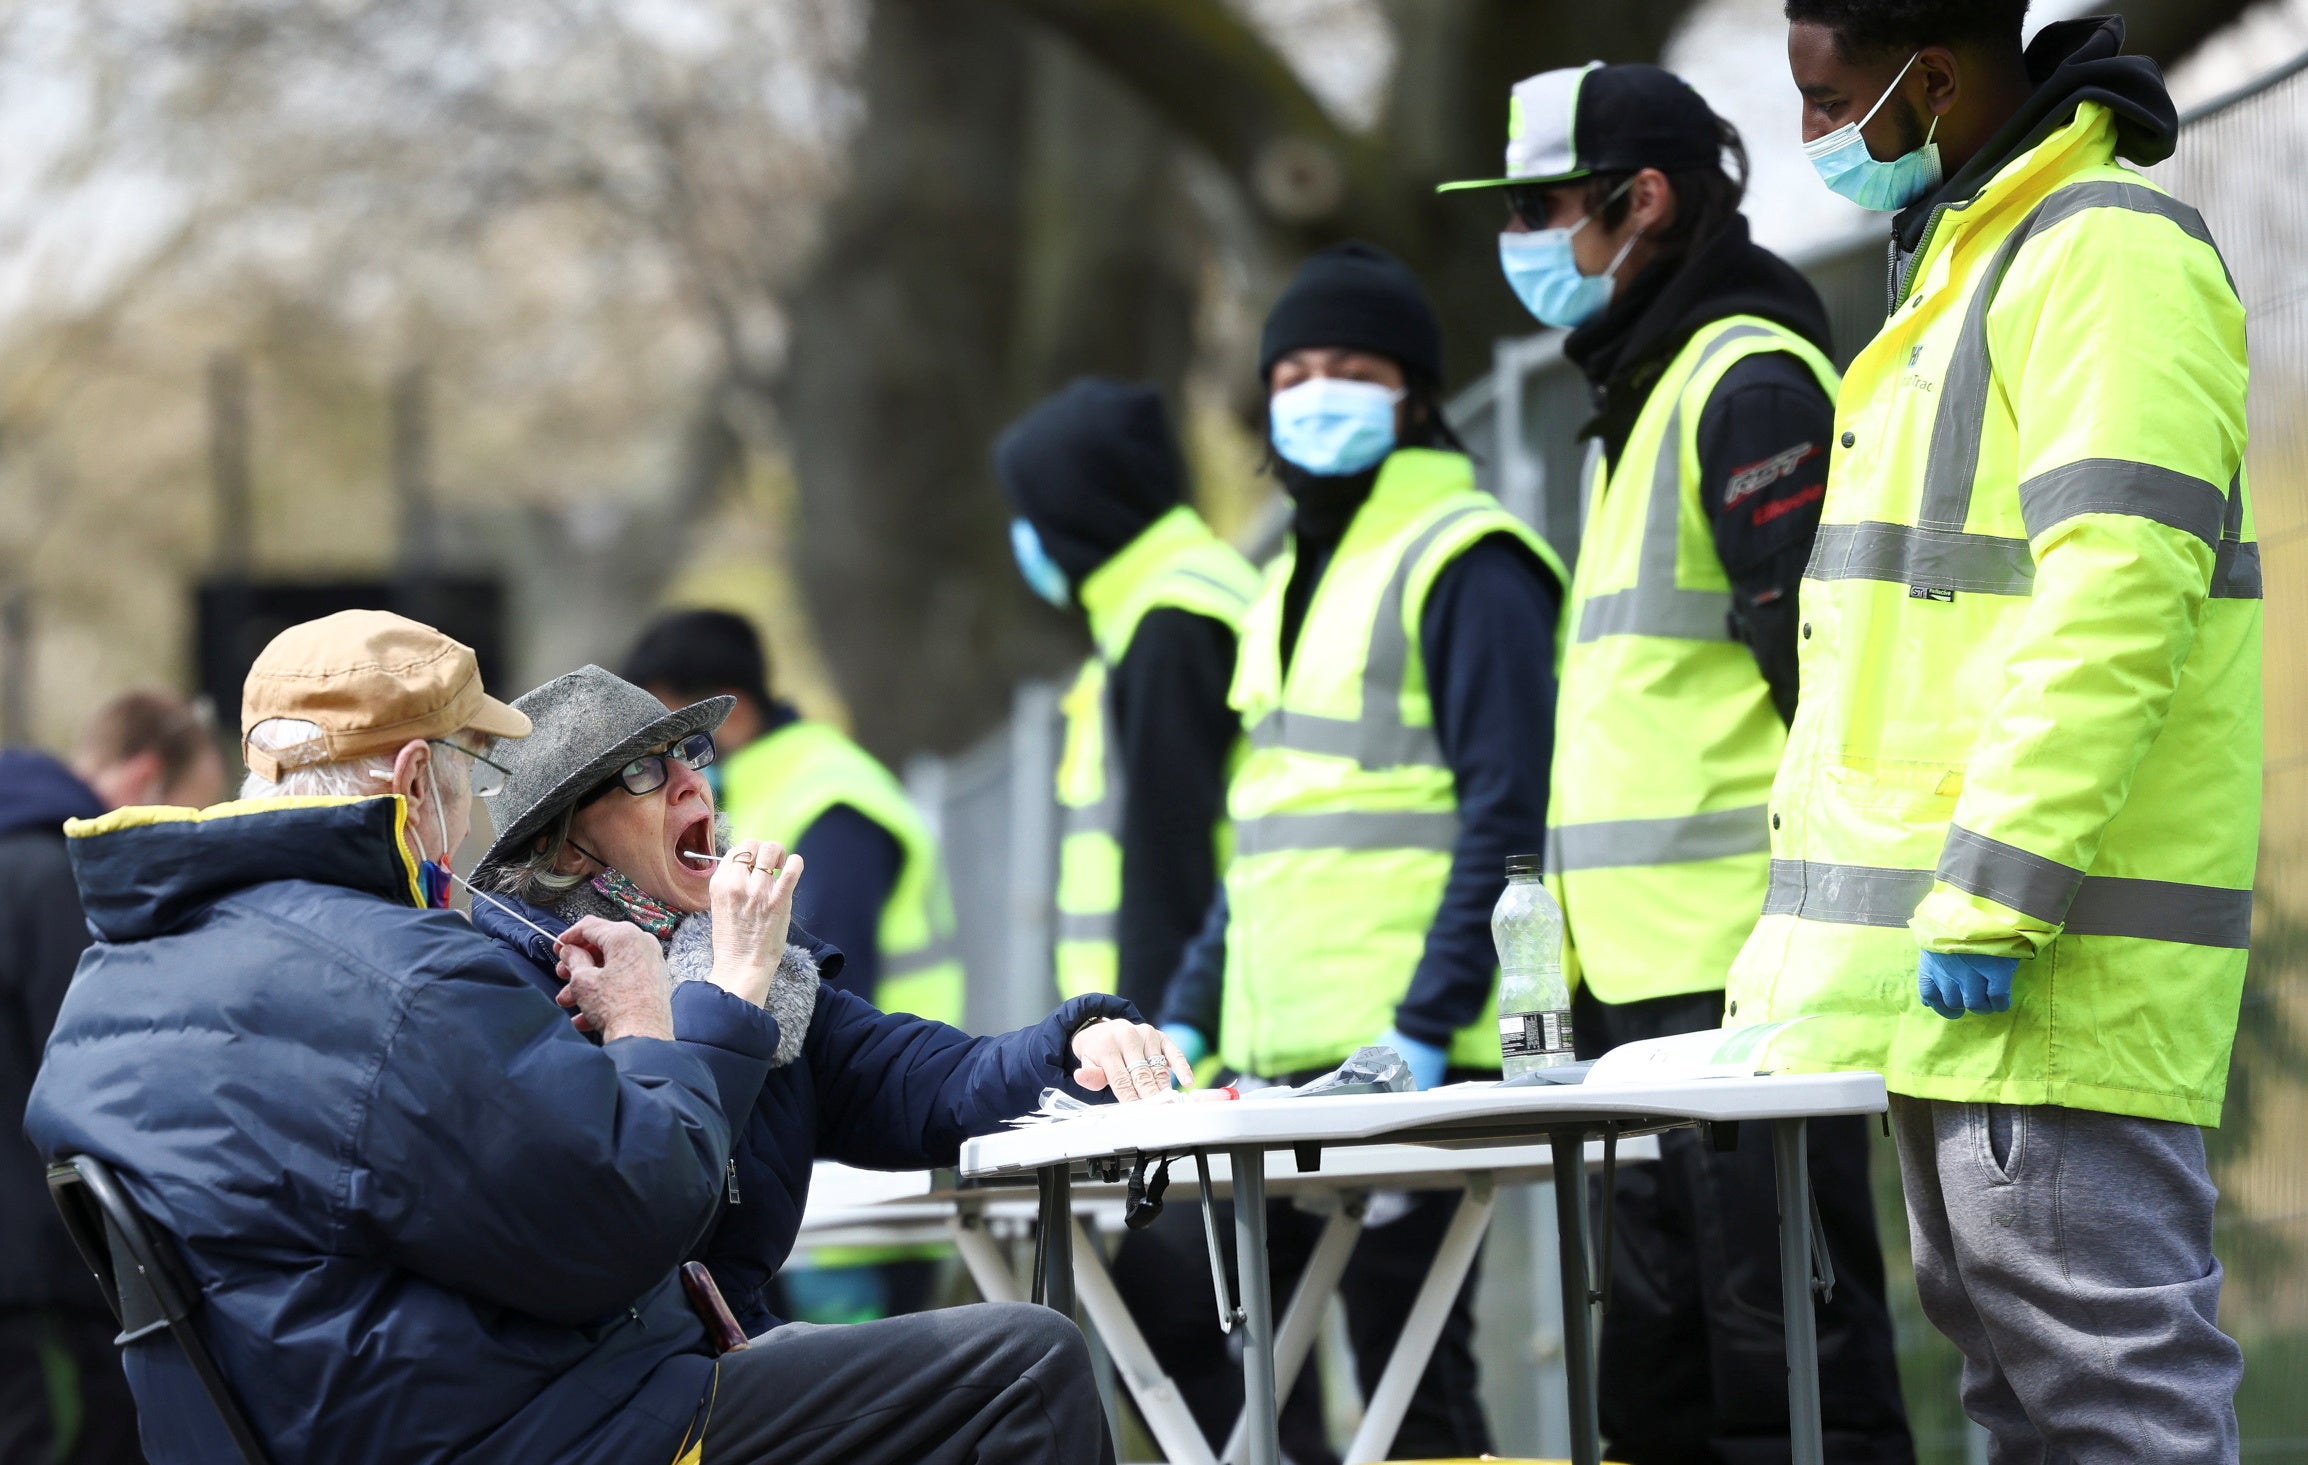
1534, 1000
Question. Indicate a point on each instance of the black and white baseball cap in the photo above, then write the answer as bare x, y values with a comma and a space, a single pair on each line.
1566, 124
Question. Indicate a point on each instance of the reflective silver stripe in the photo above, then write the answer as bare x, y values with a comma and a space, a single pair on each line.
1655, 605
2104, 905
2008, 875
1379, 738
1347, 830
941, 951
1692, 615
2162, 910
1366, 740
2117, 486
1953, 462
1621, 843
1100, 926
1982, 564
1845, 895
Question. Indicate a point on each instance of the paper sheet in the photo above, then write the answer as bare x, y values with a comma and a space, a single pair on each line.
1715, 1053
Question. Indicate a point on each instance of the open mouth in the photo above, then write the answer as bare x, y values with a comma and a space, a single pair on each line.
695, 839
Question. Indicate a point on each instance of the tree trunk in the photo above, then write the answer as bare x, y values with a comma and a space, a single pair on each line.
1013, 219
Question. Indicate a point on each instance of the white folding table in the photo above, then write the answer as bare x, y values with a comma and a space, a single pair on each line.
864, 1208
1109, 1139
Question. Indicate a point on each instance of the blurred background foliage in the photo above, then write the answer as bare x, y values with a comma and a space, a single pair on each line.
618, 300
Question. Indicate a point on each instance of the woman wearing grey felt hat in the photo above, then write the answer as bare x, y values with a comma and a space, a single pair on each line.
603, 817
607, 815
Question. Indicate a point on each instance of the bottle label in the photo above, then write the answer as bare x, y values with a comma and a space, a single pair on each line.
1534, 1034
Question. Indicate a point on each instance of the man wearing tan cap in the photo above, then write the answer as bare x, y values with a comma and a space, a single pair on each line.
427, 1219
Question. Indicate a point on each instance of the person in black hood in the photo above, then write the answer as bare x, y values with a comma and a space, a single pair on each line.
1098, 487
1096, 481
1396, 684
63, 1396
1713, 395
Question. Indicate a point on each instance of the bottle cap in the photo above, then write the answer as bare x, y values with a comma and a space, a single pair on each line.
1524, 865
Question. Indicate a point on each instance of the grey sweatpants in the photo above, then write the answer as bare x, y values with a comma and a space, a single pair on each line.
2069, 1255
995, 1381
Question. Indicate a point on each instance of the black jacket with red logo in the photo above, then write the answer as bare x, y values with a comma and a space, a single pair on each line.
1763, 436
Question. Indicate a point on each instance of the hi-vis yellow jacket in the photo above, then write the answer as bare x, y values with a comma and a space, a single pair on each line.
1665, 736
1176, 563
2030, 722
776, 787
1345, 814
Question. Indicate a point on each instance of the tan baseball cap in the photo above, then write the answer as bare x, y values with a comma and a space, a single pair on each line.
370, 680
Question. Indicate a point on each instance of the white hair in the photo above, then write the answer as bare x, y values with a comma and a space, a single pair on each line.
346, 778
349, 778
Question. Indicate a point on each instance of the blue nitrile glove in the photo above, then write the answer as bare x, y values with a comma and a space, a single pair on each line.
1189, 1040
1952, 983
1426, 1061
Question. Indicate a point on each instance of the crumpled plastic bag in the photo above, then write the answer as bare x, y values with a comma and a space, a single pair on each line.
1372, 1070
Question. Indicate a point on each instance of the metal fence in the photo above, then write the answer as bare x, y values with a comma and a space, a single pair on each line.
994, 809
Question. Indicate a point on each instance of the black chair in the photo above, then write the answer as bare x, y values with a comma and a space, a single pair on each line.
142, 1279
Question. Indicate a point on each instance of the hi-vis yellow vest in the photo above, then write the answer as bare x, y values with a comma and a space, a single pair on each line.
2030, 722
776, 787
1176, 563
1345, 814
1658, 842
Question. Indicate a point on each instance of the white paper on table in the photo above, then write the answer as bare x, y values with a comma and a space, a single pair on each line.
1713, 1053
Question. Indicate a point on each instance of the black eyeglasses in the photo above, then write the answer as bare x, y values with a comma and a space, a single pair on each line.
648, 773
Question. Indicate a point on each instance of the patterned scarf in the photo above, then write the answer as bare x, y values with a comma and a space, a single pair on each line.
638, 905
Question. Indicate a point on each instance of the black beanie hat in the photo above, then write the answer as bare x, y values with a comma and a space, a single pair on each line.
697, 653
1090, 468
1359, 297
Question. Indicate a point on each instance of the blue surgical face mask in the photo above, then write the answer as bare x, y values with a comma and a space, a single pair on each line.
434, 875
1845, 165
1333, 427
1042, 574
1545, 274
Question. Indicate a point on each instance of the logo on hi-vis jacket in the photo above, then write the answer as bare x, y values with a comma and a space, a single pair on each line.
1914, 378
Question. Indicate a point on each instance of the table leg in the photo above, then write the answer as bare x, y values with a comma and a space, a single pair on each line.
1302, 1320
1263, 1422
1794, 1167
1390, 1401
987, 1267
1570, 1147
1165, 1412
1057, 1220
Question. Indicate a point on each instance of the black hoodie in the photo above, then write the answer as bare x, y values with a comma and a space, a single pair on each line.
2070, 62
1763, 436
1091, 469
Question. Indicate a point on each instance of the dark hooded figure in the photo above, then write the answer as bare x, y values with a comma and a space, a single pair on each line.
1095, 479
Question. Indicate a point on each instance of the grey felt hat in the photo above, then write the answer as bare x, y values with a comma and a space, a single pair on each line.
586, 726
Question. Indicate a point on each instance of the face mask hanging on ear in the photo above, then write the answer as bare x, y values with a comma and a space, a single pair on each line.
1043, 576
1845, 165
434, 875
